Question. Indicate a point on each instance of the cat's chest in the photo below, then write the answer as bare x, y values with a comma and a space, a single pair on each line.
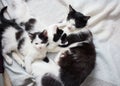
38, 54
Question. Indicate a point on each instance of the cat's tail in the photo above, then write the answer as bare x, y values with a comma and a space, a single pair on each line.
51, 80
8, 22
2, 18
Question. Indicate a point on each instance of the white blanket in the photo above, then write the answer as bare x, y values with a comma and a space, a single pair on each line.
105, 26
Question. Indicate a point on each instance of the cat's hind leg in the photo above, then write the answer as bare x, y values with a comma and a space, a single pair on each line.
7, 57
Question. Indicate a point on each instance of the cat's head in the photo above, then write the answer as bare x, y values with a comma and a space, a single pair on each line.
76, 19
39, 39
60, 37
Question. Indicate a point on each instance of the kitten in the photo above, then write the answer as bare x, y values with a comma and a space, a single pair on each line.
55, 37
79, 60
20, 44
73, 64
74, 21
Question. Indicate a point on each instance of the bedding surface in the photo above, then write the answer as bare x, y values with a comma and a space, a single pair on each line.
105, 26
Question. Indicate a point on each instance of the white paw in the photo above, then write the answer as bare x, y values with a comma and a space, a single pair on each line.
9, 61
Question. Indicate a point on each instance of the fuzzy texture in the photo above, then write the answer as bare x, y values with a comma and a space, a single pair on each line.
73, 64
78, 61
74, 22
20, 44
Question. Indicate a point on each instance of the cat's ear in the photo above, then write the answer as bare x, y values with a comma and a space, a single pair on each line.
45, 33
31, 35
71, 9
86, 18
59, 31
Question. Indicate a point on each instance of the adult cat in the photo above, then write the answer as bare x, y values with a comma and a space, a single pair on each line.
74, 21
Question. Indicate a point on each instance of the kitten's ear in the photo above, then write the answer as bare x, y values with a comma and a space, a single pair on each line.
45, 33
86, 18
71, 9
31, 35
32, 21
57, 29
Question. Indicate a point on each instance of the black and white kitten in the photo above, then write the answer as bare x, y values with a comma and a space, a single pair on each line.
74, 21
21, 44
55, 37
73, 64
79, 60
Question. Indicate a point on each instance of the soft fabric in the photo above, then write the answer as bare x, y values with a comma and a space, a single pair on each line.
105, 26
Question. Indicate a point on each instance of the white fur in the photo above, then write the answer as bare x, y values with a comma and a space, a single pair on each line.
29, 52
43, 68
53, 46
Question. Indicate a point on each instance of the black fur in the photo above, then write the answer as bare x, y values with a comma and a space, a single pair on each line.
46, 59
80, 19
6, 23
41, 35
30, 24
79, 62
20, 43
63, 38
50, 80
57, 35
19, 34
77, 37
3, 26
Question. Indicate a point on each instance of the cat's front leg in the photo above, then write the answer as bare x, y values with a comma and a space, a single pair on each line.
18, 57
28, 64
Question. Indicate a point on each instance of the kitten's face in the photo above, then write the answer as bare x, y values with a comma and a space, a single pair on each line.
39, 39
76, 19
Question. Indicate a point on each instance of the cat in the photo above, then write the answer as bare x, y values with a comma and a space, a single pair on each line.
73, 64
74, 21
55, 37
21, 44
80, 59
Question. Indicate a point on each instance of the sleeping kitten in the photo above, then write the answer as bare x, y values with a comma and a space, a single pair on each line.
20, 44
79, 60
55, 37
74, 21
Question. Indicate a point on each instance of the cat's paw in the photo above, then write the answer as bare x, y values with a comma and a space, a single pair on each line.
9, 61
64, 54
